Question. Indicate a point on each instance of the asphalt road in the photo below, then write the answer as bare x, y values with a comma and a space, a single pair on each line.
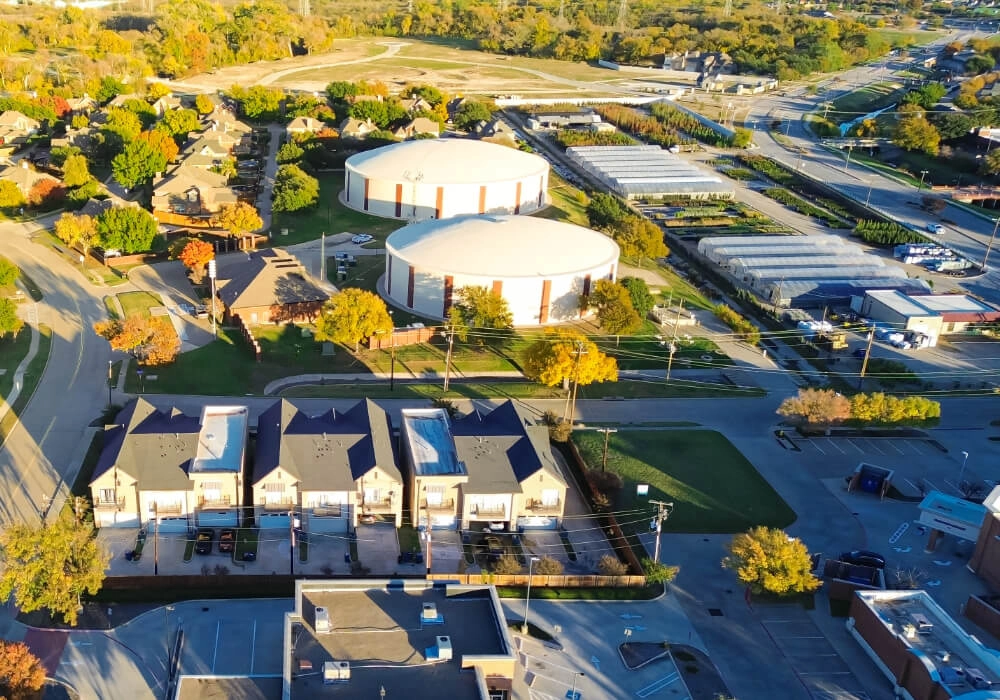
46, 446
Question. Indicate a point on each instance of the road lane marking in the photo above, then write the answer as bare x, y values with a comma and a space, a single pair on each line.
215, 651
253, 645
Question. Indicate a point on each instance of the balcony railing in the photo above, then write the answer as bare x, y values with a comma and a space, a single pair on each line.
539, 507
108, 505
383, 506
214, 501
443, 506
480, 509
166, 508
271, 504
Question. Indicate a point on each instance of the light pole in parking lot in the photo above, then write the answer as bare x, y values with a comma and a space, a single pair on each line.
923, 174
961, 472
989, 246
527, 596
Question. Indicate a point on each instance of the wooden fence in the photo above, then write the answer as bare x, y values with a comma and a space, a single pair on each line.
401, 337
543, 580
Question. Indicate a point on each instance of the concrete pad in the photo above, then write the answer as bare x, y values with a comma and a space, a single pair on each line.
378, 548
447, 555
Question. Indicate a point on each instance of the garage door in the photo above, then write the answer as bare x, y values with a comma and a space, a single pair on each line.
173, 525
218, 518
318, 523
113, 519
273, 521
536, 522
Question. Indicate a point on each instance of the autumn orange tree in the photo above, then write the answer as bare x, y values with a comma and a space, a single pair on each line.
816, 407
21, 672
150, 339
162, 142
239, 219
195, 257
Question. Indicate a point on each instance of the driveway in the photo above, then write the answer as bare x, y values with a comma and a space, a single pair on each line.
447, 556
378, 548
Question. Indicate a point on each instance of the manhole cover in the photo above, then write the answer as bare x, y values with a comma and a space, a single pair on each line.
715, 612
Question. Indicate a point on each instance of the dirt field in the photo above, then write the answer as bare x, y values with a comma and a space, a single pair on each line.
398, 62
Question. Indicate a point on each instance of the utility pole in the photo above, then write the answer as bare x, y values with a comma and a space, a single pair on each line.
673, 341
450, 335
607, 435
211, 277
923, 174
322, 256
868, 352
663, 511
110, 362
576, 381
156, 538
427, 538
989, 246
291, 543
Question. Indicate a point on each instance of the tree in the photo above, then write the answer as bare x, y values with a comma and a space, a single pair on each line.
51, 565
610, 565
881, 408
46, 193
21, 672
742, 137
638, 237
507, 565
75, 171
9, 272
290, 152
768, 560
162, 142
10, 195
150, 339
470, 113
10, 322
816, 407
77, 231
195, 256
563, 357
638, 291
128, 229
657, 572
155, 91
294, 189
178, 122
605, 211
137, 164
614, 307
479, 307
952, 125
239, 219
351, 316
203, 104
547, 566
991, 163
110, 88
915, 133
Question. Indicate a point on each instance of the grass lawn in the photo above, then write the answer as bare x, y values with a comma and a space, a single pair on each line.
862, 101
714, 488
409, 539
675, 287
331, 217
107, 274
551, 593
12, 351
565, 203
246, 541
31, 378
138, 303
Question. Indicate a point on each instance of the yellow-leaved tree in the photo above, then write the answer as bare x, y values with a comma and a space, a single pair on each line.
561, 357
768, 560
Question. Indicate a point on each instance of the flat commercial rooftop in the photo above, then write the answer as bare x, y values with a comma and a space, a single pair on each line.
646, 170
379, 631
431, 444
216, 688
222, 439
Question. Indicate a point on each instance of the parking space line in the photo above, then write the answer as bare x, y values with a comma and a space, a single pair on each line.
834, 445
872, 445
816, 445
917, 447
892, 444
253, 645
855, 446
215, 650
657, 685
826, 673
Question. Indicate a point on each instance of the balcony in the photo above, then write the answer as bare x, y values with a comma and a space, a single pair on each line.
285, 503
110, 505
383, 506
160, 509
214, 501
442, 507
539, 508
487, 511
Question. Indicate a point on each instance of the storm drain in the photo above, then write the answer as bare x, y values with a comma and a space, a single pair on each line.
715, 612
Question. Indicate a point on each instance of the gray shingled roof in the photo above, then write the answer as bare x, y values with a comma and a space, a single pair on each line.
501, 449
327, 452
152, 446
267, 278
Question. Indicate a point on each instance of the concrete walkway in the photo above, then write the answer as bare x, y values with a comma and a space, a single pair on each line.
30, 315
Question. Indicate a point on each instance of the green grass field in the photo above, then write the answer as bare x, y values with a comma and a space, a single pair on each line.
12, 351
862, 101
138, 303
713, 486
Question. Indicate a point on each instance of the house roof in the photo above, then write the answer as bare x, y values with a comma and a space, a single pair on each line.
184, 177
152, 446
304, 123
327, 452
353, 125
24, 177
214, 142
502, 448
11, 118
96, 207
270, 277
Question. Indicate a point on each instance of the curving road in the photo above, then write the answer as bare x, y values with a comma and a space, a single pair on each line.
46, 447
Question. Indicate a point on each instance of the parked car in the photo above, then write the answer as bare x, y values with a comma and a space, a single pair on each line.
109, 253
863, 557
203, 540
494, 548
362, 238
227, 541
937, 229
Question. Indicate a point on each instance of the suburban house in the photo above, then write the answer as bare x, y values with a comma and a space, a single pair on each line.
269, 286
122, 100
192, 191
335, 469
417, 127
494, 127
304, 125
167, 467
16, 128
24, 176
416, 104
483, 470
166, 104
357, 128
211, 143
95, 207
82, 105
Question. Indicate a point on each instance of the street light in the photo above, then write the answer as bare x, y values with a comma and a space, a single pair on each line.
109, 380
527, 597
961, 473
167, 609
869, 197
923, 174
573, 695
989, 246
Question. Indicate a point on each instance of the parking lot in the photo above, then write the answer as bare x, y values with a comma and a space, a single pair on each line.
869, 446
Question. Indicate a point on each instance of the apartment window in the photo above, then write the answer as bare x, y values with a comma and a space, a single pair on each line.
274, 493
212, 490
107, 495
373, 495
435, 495
550, 497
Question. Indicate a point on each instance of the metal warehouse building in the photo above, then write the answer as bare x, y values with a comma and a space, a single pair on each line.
801, 271
541, 267
931, 315
639, 172
441, 178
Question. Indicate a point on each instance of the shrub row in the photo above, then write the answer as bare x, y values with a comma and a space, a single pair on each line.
887, 233
741, 326
796, 203
569, 137
671, 117
646, 127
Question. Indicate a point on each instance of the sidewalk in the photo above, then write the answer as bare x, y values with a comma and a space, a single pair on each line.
30, 316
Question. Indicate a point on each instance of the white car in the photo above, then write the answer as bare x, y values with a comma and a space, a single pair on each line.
935, 228
362, 238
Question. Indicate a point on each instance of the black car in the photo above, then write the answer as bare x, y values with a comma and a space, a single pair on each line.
203, 540
862, 557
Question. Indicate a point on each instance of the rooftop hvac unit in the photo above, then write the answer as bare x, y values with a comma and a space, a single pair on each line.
910, 631
429, 613
322, 621
334, 671
976, 679
444, 648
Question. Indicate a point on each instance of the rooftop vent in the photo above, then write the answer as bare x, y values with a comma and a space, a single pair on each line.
322, 621
430, 615
444, 651
336, 671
